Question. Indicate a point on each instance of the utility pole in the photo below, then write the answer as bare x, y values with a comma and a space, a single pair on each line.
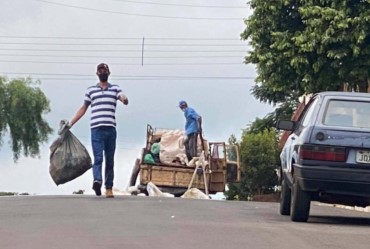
142, 52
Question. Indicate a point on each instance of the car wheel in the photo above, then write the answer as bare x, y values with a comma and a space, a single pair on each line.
285, 198
301, 201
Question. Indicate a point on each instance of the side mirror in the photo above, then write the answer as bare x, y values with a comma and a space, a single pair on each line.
286, 125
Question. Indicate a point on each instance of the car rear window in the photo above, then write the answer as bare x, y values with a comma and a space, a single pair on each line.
347, 113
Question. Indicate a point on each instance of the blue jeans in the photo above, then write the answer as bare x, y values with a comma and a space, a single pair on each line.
103, 139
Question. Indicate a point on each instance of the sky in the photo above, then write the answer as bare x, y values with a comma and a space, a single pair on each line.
159, 52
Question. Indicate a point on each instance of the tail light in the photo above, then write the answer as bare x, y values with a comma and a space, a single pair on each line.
322, 153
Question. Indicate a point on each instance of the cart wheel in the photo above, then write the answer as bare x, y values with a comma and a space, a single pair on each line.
134, 173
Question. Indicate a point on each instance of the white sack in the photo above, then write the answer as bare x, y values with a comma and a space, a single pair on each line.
195, 193
172, 144
155, 191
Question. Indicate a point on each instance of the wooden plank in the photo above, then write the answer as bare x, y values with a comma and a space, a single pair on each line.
217, 187
217, 183
163, 176
218, 177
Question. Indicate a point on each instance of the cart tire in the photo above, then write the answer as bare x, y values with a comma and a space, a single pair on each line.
134, 173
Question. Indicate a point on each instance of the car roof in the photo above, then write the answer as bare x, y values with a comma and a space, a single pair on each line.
343, 94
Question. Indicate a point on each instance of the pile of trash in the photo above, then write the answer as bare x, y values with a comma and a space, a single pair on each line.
154, 191
168, 147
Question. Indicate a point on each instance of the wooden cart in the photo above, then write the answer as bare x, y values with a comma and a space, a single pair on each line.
222, 168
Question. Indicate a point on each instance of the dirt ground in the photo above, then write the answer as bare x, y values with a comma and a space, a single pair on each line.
274, 197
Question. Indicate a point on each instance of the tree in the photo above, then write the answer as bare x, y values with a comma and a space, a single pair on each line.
308, 46
22, 105
283, 112
79, 192
259, 159
232, 139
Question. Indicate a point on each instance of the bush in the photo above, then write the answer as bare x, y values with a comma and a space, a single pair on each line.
8, 193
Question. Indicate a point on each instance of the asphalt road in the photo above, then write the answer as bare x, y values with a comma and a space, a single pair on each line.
68, 222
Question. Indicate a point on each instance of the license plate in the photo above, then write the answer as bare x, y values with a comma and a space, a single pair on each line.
363, 156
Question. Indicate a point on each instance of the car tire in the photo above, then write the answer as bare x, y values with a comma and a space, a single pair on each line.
301, 202
285, 198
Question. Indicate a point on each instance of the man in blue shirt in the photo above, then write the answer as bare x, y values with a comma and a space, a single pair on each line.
192, 129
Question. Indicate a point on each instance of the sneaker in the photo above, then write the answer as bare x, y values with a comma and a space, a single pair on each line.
109, 193
97, 188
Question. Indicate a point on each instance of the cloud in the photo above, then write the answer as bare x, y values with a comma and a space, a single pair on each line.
225, 103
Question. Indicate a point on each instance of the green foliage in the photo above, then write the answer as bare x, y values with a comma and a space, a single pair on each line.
232, 139
259, 159
283, 112
12, 193
79, 192
8, 193
231, 150
22, 105
259, 125
308, 46
238, 191
2, 109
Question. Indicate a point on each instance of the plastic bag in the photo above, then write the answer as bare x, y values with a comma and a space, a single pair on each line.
171, 144
155, 149
195, 193
155, 191
69, 158
148, 158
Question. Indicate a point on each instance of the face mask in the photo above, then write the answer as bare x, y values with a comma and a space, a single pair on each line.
103, 77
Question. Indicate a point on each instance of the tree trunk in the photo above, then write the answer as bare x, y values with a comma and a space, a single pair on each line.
362, 86
345, 87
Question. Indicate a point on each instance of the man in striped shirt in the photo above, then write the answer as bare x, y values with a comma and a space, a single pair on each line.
102, 98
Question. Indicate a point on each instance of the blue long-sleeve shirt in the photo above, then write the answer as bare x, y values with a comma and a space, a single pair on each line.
191, 125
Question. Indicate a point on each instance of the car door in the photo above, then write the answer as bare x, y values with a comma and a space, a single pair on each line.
307, 117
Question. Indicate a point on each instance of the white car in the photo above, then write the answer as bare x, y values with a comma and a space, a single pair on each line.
326, 157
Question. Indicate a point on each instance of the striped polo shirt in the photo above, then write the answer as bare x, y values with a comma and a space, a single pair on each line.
103, 104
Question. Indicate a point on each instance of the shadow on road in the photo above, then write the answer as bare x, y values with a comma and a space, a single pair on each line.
339, 220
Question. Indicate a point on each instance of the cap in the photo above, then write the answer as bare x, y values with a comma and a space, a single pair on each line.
103, 68
182, 103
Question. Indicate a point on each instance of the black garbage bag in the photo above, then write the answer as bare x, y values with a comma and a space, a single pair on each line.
69, 158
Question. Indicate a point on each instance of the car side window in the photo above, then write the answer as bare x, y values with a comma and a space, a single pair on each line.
307, 116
